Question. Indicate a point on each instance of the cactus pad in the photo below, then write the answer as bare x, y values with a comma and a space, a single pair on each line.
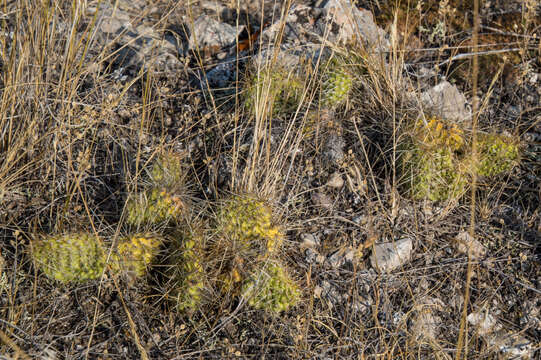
135, 253
497, 154
270, 288
154, 206
70, 257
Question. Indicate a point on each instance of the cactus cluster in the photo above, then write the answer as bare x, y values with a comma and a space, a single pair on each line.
80, 256
270, 288
337, 84
436, 165
160, 203
247, 227
498, 154
278, 88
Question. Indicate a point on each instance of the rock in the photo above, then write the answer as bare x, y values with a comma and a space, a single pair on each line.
335, 180
321, 199
392, 255
464, 242
509, 345
354, 22
447, 102
208, 33
309, 241
426, 323
334, 148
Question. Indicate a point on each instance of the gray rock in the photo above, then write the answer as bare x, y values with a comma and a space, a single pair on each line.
334, 148
355, 22
335, 180
309, 240
465, 243
392, 255
321, 199
212, 34
447, 102
509, 345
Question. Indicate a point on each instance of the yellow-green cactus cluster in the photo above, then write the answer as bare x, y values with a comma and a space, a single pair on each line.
154, 206
337, 84
247, 223
433, 174
271, 288
278, 88
160, 203
437, 133
498, 154
430, 163
188, 273
70, 257
135, 253
80, 256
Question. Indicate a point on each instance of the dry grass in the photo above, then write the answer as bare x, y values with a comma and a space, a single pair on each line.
75, 142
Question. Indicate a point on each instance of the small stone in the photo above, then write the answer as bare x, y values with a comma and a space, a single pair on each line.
208, 33
447, 102
392, 255
334, 148
335, 181
484, 322
323, 200
309, 241
464, 243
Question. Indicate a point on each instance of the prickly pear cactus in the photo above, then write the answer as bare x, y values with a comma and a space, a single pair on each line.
135, 253
70, 257
430, 166
248, 224
337, 84
497, 154
154, 206
270, 288
167, 171
279, 88
188, 275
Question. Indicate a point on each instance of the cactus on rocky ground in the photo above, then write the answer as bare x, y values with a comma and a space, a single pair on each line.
278, 88
247, 222
497, 154
270, 288
429, 163
154, 206
337, 83
135, 253
167, 171
70, 257
187, 271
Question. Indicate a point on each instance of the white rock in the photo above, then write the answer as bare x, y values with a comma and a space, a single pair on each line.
392, 255
355, 22
335, 180
484, 322
309, 240
464, 242
210, 33
447, 102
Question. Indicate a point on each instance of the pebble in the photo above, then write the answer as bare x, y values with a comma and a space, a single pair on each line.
335, 181
391, 255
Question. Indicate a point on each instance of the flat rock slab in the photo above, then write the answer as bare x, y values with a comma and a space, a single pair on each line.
447, 102
392, 255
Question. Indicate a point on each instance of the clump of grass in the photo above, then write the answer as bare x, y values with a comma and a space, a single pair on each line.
270, 288
70, 257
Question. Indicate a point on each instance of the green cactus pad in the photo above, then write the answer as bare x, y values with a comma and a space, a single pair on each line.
188, 275
135, 253
167, 171
248, 223
278, 88
337, 84
497, 154
154, 206
70, 257
271, 289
